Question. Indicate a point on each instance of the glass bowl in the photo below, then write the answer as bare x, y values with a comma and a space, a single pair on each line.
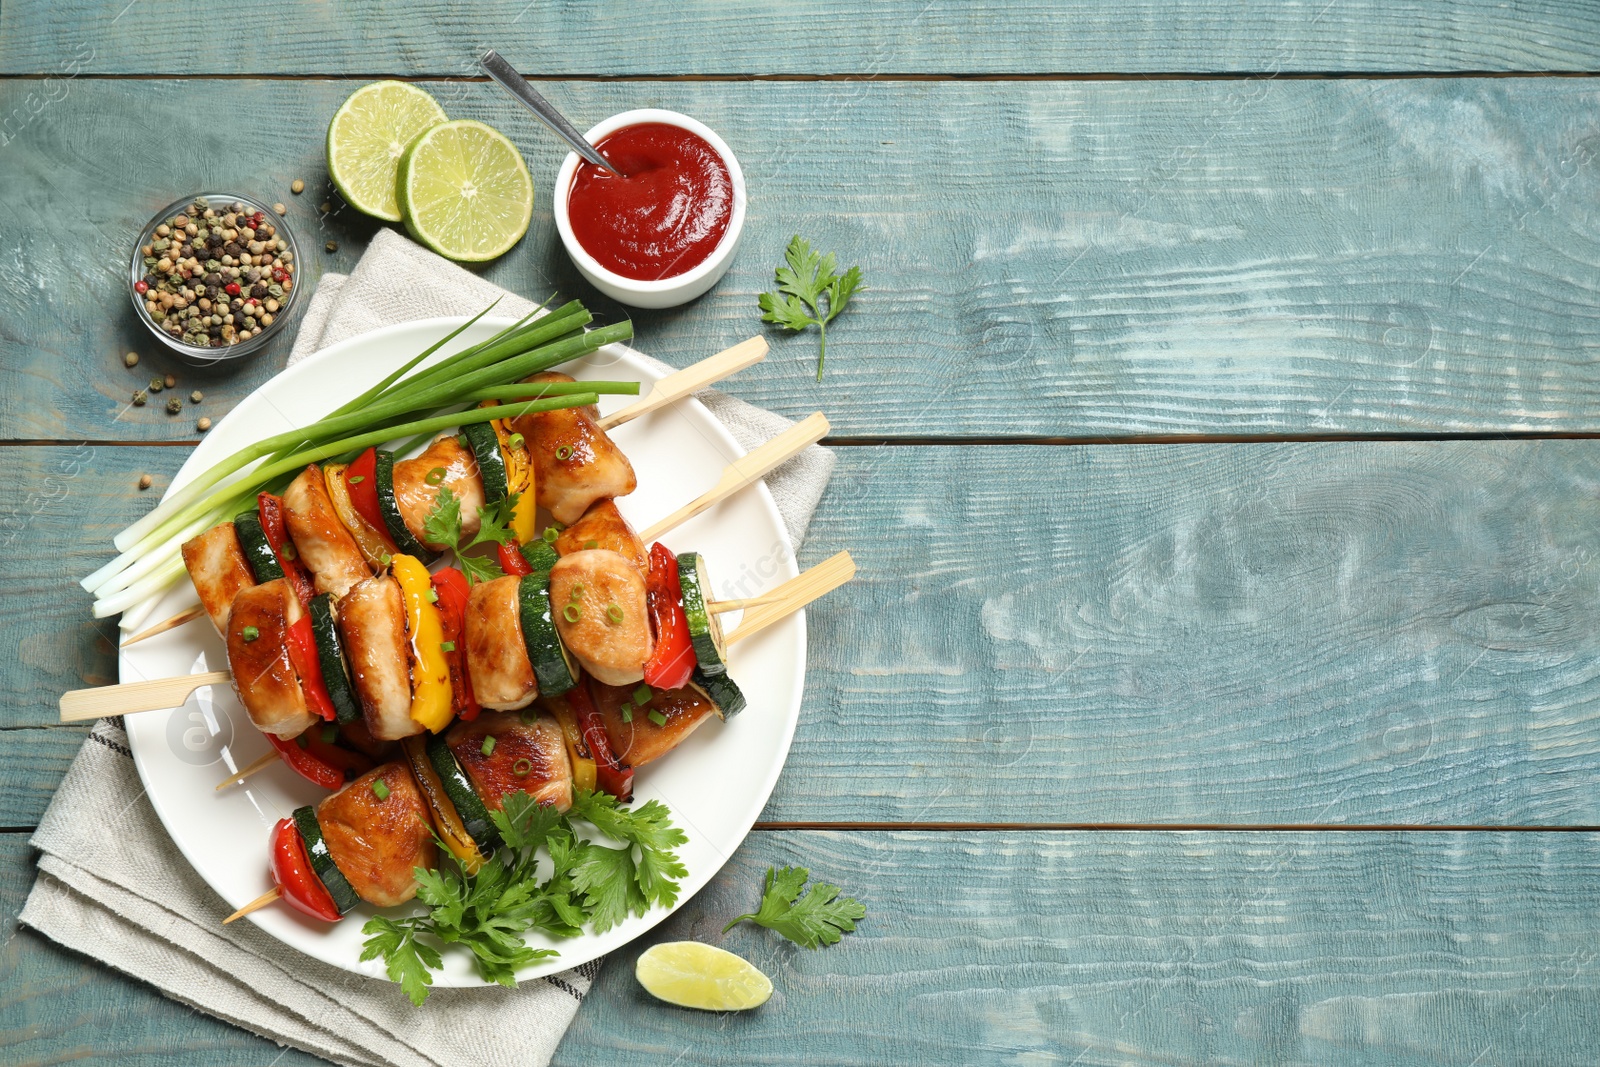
228, 349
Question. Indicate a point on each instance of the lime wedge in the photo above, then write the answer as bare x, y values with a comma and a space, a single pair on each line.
367, 137
693, 975
464, 191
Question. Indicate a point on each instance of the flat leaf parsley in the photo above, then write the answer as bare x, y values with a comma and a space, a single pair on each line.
821, 917
588, 885
443, 527
802, 286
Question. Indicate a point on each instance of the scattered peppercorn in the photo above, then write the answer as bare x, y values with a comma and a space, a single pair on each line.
280, 209
174, 406
203, 425
332, 246
170, 381
156, 384
139, 398
297, 187
144, 481
131, 359
196, 396
327, 206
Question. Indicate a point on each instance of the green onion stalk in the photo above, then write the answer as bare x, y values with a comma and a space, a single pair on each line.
464, 374
224, 502
518, 337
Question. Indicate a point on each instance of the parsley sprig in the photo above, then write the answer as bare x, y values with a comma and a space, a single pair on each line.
821, 917
802, 285
589, 884
443, 527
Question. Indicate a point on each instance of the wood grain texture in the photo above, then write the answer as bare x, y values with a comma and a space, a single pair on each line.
1115, 948
813, 37
1087, 259
1275, 633
57, 1006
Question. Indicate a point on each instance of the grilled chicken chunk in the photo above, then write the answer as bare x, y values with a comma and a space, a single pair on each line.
324, 545
639, 740
217, 568
258, 654
594, 467
377, 843
416, 497
497, 659
603, 526
546, 774
372, 620
611, 634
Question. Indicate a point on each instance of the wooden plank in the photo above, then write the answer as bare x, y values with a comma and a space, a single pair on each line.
37, 758
815, 37
1274, 633
57, 1006
1086, 259
1129, 948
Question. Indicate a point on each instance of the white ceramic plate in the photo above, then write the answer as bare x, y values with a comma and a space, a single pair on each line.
715, 783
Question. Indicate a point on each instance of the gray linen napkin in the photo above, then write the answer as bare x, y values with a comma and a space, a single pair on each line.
112, 886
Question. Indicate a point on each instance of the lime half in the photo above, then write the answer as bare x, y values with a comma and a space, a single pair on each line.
367, 137
694, 975
465, 191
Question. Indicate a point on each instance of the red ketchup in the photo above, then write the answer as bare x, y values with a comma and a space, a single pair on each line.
666, 217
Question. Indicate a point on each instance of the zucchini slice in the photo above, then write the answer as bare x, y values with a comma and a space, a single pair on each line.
705, 629
541, 556
398, 533
258, 554
485, 446
344, 897
725, 696
552, 664
330, 656
458, 787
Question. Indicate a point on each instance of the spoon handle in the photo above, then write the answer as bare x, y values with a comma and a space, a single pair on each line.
515, 84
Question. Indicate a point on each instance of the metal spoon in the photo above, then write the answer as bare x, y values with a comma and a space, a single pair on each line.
515, 84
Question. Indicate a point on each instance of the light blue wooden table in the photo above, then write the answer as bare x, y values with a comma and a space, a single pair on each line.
1222, 682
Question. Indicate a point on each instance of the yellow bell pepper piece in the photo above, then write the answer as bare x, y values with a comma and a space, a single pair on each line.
519, 479
430, 672
446, 820
583, 772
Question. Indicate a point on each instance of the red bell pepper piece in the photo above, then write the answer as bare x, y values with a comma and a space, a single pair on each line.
351, 763
450, 586
305, 764
511, 559
610, 774
361, 482
303, 654
297, 881
672, 660
271, 509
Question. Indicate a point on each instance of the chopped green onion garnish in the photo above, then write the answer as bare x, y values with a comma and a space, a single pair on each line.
379, 789
614, 613
550, 535
488, 745
250, 633
528, 716
385, 559
577, 590
515, 441
330, 732
572, 613
657, 717
447, 646
591, 544
564, 453
522, 767
435, 476
627, 713
433, 595
642, 695
357, 480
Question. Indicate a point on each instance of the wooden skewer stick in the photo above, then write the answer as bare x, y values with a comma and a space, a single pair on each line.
244, 772
752, 467
255, 905
162, 627
717, 607
129, 697
796, 593
690, 380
